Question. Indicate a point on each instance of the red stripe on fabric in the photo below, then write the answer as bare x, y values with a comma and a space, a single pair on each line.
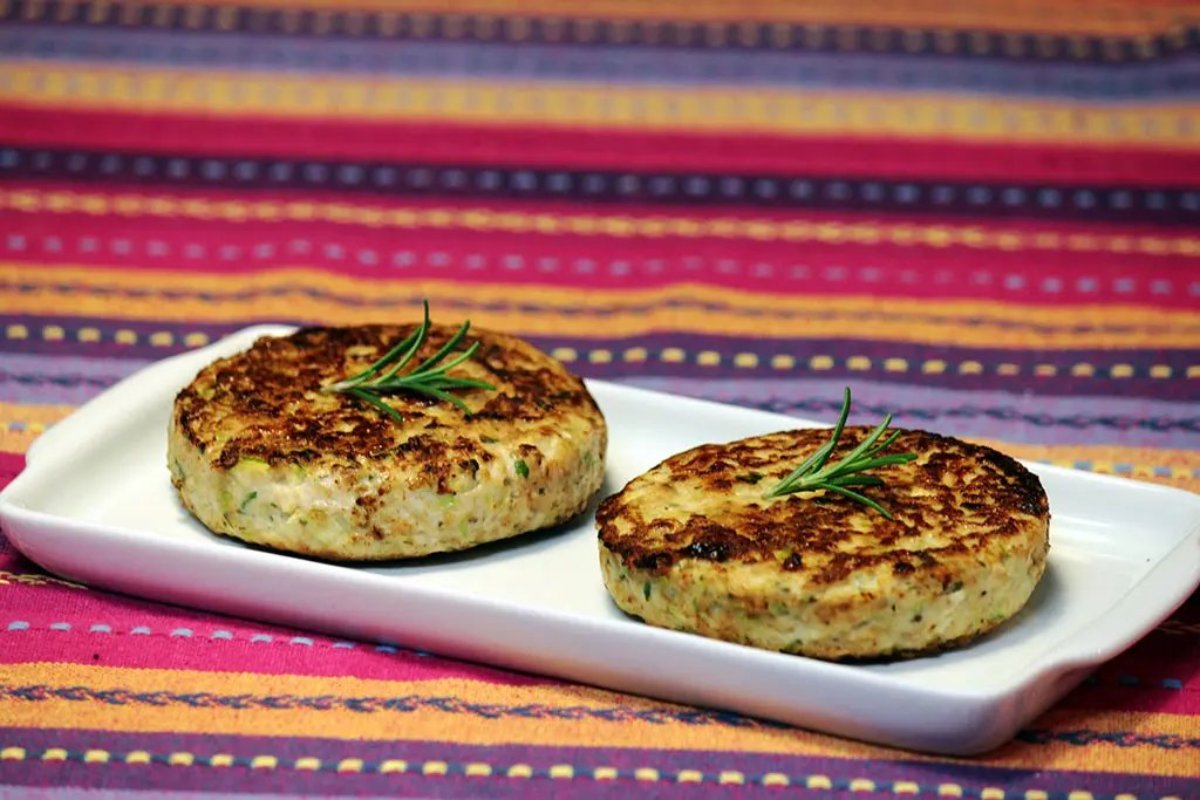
1164, 653
1155, 675
1141, 698
11, 465
1028, 276
127, 633
593, 148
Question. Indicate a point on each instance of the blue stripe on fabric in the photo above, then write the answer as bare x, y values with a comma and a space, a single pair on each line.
367, 705
874, 355
1091, 202
1174, 79
980, 44
1006, 416
59, 380
672, 354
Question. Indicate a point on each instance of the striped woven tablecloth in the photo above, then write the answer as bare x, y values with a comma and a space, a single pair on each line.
982, 216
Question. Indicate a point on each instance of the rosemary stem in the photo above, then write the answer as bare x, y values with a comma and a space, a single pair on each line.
816, 474
430, 378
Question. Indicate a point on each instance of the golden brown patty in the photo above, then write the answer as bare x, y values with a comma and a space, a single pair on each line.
259, 452
694, 545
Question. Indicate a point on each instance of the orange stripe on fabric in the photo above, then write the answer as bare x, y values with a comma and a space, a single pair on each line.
1104, 757
546, 310
36, 415
432, 723
624, 226
1144, 463
21, 424
425, 724
1023, 15
704, 108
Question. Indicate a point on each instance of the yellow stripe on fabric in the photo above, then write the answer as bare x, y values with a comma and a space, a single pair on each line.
486, 220
684, 107
506, 772
434, 723
39, 416
20, 424
1023, 15
17, 441
547, 310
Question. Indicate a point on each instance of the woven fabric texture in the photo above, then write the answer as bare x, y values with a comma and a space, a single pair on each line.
981, 216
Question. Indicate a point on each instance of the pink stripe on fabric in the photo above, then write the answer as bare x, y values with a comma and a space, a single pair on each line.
93, 628
1043, 277
511, 144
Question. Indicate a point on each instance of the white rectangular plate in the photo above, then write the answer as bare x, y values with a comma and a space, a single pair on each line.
95, 504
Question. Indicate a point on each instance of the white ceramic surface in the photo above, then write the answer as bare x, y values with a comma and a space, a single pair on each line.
95, 505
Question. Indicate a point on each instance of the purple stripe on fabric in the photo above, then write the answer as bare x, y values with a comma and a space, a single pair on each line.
591, 32
1009, 416
628, 65
1086, 201
851, 361
876, 352
80, 793
65, 380
68, 339
846, 360
453, 758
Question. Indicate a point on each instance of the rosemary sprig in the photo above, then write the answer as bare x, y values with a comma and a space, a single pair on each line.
814, 474
430, 378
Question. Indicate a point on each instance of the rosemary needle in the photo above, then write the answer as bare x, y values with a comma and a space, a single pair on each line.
814, 473
430, 377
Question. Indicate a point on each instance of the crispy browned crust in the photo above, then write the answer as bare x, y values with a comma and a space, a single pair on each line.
824, 539
266, 403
